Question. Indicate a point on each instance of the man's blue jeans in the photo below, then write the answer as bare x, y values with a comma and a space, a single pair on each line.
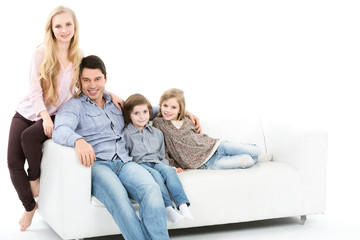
164, 174
113, 182
229, 155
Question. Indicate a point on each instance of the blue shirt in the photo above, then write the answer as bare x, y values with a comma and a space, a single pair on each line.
145, 146
101, 128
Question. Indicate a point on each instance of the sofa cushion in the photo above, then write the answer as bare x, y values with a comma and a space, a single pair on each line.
225, 196
262, 191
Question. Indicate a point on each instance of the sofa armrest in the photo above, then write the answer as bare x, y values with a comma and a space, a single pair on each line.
306, 151
65, 189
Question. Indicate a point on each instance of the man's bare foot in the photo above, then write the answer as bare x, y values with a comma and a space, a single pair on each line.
35, 187
25, 220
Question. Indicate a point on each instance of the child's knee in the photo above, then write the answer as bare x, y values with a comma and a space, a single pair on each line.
247, 161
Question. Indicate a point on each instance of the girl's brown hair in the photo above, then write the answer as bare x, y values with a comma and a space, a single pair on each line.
133, 101
179, 96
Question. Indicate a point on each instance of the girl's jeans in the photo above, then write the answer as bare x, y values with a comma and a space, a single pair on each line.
231, 155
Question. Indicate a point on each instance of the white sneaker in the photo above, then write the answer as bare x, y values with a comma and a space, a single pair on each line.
172, 215
185, 211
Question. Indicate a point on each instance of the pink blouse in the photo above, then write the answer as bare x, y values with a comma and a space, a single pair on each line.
31, 106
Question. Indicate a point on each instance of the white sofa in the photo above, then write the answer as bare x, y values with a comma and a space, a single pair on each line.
293, 184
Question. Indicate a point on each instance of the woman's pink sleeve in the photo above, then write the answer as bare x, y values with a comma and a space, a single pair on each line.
36, 93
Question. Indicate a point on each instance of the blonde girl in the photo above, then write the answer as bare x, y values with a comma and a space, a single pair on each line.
187, 149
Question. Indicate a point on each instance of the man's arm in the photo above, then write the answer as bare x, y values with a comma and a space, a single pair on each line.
155, 110
66, 121
194, 119
118, 102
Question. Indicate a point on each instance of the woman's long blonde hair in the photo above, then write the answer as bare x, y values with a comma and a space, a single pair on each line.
50, 67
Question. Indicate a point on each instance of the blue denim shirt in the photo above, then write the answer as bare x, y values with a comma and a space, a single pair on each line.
145, 146
101, 128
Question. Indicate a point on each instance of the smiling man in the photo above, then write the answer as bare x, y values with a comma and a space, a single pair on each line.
94, 126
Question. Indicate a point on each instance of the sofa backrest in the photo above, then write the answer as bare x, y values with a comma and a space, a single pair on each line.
245, 130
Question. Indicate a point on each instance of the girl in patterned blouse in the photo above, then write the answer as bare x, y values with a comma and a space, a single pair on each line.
187, 149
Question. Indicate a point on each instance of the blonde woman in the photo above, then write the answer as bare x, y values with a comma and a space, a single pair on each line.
54, 75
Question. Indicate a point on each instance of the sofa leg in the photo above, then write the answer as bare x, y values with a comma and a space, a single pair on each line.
303, 219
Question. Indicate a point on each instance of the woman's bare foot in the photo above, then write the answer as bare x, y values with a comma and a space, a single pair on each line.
35, 187
25, 220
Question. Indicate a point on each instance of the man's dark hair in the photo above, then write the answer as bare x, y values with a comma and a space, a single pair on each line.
92, 62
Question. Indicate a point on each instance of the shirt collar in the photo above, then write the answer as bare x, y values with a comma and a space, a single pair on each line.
133, 129
85, 98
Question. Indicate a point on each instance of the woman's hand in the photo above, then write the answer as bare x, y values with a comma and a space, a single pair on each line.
48, 124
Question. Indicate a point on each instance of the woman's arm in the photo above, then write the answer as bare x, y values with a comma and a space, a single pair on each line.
36, 92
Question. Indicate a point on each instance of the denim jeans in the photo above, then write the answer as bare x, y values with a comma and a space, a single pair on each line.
168, 181
113, 182
229, 155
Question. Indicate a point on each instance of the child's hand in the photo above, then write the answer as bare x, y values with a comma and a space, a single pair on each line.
178, 170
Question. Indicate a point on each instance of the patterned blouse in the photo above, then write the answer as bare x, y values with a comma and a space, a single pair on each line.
185, 148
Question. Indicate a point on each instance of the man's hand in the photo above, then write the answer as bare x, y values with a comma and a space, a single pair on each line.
85, 152
117, 101
195, 120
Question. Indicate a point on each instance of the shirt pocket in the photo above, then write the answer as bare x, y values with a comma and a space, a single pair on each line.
118, 120
94, 120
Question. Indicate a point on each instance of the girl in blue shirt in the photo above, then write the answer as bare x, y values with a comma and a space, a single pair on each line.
146, 145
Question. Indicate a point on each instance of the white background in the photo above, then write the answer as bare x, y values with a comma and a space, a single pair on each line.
297, 61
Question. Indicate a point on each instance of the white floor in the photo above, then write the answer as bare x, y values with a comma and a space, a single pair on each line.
317, 227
